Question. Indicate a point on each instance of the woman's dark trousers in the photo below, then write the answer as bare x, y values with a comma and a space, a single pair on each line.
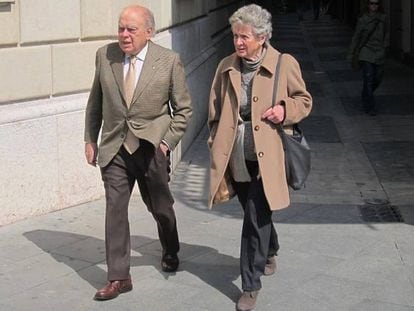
259, 238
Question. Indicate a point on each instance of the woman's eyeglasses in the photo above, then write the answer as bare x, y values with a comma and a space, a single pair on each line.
374, 3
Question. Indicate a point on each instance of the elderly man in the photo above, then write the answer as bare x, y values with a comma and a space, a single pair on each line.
140, 102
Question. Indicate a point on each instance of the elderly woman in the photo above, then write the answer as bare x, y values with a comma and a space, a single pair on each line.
247, 157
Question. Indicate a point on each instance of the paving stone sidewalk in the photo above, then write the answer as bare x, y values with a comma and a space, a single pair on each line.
347, 241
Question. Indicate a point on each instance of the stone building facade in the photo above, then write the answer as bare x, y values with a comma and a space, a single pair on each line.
47, 55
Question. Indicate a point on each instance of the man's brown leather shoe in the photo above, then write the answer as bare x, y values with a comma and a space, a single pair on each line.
270, 267
113, 289
247, 301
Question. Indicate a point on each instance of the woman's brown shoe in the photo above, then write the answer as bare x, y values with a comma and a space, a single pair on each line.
247, 301
270, 267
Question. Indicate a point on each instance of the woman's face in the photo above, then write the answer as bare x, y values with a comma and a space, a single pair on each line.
373, 5
246, 43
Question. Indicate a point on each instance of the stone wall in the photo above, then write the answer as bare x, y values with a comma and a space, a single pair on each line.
47, 54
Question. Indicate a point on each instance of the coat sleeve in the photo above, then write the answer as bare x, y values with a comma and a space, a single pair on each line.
298, 102
93, 113
180, 103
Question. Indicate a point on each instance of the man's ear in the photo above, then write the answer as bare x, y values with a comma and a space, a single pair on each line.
149, 32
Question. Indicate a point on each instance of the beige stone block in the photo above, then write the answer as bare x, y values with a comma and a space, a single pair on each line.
25, 73
29, 174
9, 23
49, 20
78, 181
74, 66
158, 8
164, 15
41, 148
96, 18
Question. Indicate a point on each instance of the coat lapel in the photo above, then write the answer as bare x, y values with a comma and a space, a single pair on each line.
234, 72
270, 60
235, 80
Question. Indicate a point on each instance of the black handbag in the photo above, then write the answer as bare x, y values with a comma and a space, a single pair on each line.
297, 151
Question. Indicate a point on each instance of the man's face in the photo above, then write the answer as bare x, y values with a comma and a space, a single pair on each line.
246, 43
133, 33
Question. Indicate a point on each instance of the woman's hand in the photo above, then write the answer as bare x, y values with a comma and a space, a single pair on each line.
275, 114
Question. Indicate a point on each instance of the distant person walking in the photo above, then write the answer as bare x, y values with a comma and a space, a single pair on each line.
316, 7
300, 7
325, 6
368, 47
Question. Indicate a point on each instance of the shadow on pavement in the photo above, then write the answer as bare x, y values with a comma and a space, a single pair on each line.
84, 253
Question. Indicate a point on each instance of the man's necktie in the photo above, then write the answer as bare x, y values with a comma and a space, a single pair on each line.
131, 142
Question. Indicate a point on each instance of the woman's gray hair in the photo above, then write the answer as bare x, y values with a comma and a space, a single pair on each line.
255, 16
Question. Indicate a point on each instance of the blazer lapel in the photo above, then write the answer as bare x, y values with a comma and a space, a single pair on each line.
117, 65
147, 72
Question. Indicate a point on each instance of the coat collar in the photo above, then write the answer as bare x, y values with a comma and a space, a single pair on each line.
268, 63
231, 66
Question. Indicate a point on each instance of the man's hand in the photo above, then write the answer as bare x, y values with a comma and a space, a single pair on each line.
91, 150
276, 114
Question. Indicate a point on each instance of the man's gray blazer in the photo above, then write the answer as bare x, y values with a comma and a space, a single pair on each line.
162, 81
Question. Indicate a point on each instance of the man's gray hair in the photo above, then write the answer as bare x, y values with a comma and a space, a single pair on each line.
148, 16
255, 16
150, 21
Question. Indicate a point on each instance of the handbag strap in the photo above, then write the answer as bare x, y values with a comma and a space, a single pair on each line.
276, 80
275, 89
279, 126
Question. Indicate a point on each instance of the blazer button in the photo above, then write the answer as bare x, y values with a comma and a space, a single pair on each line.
260, 154
122, 135
256, 128
255, 98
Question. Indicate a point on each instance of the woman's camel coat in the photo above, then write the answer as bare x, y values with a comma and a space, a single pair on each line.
223, 120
